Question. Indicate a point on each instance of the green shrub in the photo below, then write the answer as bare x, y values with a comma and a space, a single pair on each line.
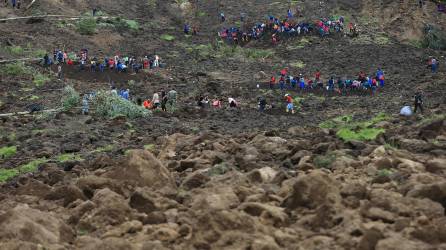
125, 24
87, 26
68, 157
15, 50
434, 38
32, 165
70, 98
324, 161
14, 69
7, 152
40, 79
6, 174
363, 134
167, 37
109, 105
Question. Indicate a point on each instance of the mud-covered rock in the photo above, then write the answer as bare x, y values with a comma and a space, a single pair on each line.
313, 190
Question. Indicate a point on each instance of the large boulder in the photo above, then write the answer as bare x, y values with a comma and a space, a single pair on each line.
143, 169
313, 190
434, 191
217, 198
23, 223
397, 242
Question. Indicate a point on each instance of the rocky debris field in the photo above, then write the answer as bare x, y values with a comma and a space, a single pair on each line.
344, 172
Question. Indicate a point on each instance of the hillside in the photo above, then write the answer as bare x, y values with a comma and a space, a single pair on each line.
344, 172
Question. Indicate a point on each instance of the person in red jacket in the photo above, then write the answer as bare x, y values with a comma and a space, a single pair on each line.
272, 82
290, 104
317, 76
284, 72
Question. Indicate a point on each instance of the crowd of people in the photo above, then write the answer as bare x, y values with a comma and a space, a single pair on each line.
164, 100
14, 3
94, 64
288, 27
286, 81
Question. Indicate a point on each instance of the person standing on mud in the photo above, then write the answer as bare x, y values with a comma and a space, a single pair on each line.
59, 72
172, 99
163, 100
418, 101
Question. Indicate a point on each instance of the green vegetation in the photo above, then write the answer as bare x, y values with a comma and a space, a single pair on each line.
324, 161
348, 130
15, 50
14, 69
70, 98
149, 147
108, 105
40, 79
6, 174
168, 38
385, 172
31, 166
107, 148
434, 38
222, 50
298, 64
7, 152
218, 169
87, 26
68, 157
362, 134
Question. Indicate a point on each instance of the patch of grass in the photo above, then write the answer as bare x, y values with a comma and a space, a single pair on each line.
218, 169
431, 119
7, 152
15, 50
6, 174
381, 39
363, 134
167, 37
389, 146
70, 98
87, 26
385, 172
149, 147
324, 161
200, 13
107, 148
14, 69
33, 98
39, 53
298, 64
68, 157
40, 79
31, 166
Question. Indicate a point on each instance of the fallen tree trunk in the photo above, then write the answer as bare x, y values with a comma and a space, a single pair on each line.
30, 4
28, 113
19, 60
60, 17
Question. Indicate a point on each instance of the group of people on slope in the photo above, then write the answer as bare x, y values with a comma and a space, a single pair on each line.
14, 3
285, 28
114, 63
205, 102
287, 81
162, 99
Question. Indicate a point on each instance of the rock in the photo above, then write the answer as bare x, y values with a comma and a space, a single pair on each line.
143, 169
435, 192
23, 223
437, 165
128, 227
275, 146
376, 213
317, 242
164, 233
264, 242
270, 215
357, 145
397, 242
111, 209
356, 189
33, 187
217, 198
370, 239
313, 190
432, 232
68, 193
379, 152
299, 155
71, 147
142, 201
195, 180
433, 129
77, 212
262, 175
383, 163
110, 243
415, 145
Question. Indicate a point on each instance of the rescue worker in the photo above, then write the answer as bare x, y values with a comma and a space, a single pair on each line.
289, 104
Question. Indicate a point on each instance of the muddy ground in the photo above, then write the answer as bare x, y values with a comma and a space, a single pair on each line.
226, 179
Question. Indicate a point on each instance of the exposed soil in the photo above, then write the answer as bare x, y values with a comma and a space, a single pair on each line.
226, 178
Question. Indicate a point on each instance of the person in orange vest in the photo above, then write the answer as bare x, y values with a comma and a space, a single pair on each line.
147, 104
290, 105
272, 82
